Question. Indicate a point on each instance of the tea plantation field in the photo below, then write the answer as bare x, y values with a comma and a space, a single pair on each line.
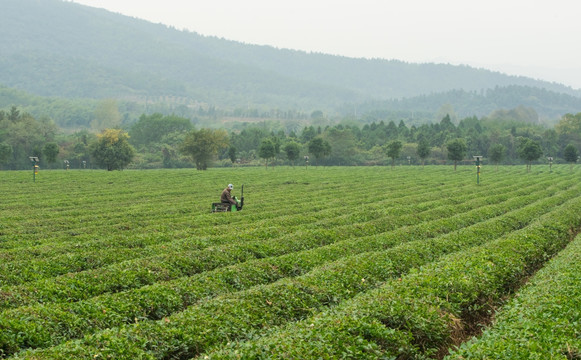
324, 263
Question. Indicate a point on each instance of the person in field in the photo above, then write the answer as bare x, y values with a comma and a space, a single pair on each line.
226, 197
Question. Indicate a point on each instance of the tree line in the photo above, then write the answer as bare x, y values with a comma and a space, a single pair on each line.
171, 141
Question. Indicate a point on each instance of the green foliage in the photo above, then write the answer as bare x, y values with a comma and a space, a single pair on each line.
153, 128
317, 114
308, 134
151, 65
158, 139
78, 147
541, 321
106, 115
247, 140
203, 145
267, 150
529, 150
50, 151
423, 149
496, 153
569, 129
25, 135
292, 150
509, 103
571, 154
319, 148
420, 312
67, 113
232, 152
394, 150
112, 150
344, 145
456, 150
5, 153
325, 274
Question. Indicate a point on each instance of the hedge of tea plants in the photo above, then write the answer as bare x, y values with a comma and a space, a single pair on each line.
320, 263
425, 312
542, 321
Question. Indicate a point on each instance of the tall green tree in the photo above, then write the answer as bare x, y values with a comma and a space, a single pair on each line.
112, 149
152, 128
308, 134
456, 150
80, 150
571, 154
496, 153
5, 153
293, 151
569, 129
319, 148
232, 152
203, 145
394, 150
24, 134
344, 145
50, 151
277, 142
267, 150
423, 150
529, 150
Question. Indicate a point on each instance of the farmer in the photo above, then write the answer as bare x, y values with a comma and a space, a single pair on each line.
226, 197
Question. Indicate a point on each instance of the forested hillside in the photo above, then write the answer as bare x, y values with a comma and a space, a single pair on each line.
61, 49
548, 106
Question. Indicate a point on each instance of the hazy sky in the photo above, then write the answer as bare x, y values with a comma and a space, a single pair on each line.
534, 38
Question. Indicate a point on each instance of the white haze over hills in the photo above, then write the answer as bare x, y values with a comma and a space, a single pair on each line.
532, 38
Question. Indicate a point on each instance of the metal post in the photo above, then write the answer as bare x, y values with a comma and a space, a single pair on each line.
34, 161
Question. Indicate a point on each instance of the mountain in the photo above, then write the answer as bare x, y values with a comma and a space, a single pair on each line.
61, 49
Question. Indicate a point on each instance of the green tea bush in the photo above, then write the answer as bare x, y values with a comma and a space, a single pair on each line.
542, 320
133, 265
